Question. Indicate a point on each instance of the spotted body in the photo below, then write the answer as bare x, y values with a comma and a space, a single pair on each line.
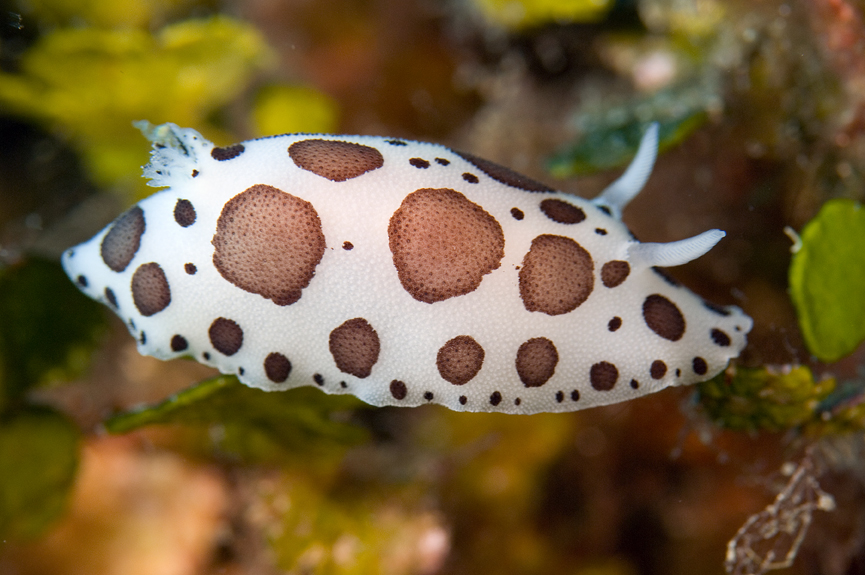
402, 272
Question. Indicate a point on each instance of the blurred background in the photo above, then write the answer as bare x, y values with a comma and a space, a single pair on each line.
762, 114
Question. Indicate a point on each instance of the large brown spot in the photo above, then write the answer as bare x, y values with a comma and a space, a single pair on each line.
460, 359
562, 212
557, 275
658, 369
536, 361
268, 242
354, 346
505, 175
122, 241
277, 367
663, 317
614, 273
603, 376
443, 244
337, 161
150, 290
719, 337
225, 336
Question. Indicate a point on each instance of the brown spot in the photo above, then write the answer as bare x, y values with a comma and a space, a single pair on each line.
194, 173
603, 376
557, 275
614, 323
470, 178
419, 163
150, 290
395, 142
517, 214
335, 160
699, 365
184, 213
355, 346
614, 273
347, 246
562, 212
318, 379
601, 231
575, 395
442, 162
536, 361
277, 367
495, 398
112, 299
398, 389
122, 241
560, 396
635, 384
268, 242
225, 336
428, 395
178, 343
663, 317
443, 244
227, 153
82, 281
658, 369
460, 359
190, 269
505, 175
720, 338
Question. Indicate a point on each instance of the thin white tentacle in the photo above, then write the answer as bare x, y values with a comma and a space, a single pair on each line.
617, 195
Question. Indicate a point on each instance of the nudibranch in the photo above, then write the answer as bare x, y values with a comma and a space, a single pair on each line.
404, 273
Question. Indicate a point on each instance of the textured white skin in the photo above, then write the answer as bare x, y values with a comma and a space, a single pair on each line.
363, 282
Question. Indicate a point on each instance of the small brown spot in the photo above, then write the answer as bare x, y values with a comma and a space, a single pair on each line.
613, 273
557, 275
658, 369
194, 173
82, 281
463, 399
122, 241
419, 163
518, 401
395, 142
575, 395
150, 290
355, 347
225, 336
227, 153
184, 213
112, 299
495, 398
190, 269
442, 162
268, 242
635, 384
318, 379
663, 317
277, 367
517, 214
460, 359
536, 361
699, 365
603, 376
398, 389
560, 396
347, 246
335, 160
614, 323
562, 212
443, 244
178, 343
601, 231
428, 395
504, 175
720, 338
470, 178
